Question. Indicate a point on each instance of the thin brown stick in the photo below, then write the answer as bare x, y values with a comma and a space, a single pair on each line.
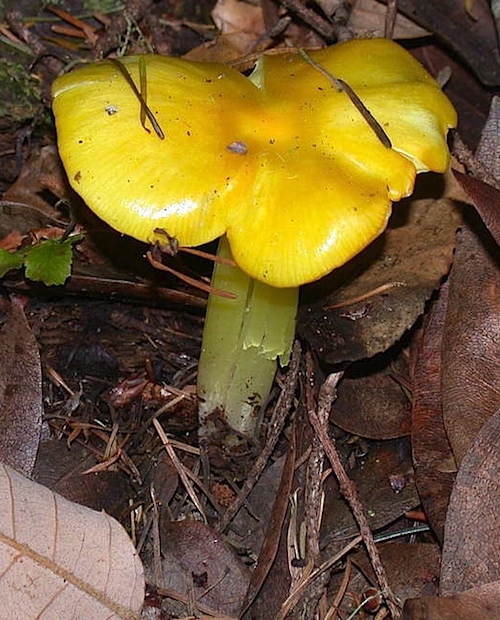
196, 283
349, 490
390, 18
340, 85
383, 288
181, 469
295, 596
334, 607
313, 494
311, 18
276, 426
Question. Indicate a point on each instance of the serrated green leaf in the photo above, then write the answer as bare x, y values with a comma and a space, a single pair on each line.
50, 261
10, 260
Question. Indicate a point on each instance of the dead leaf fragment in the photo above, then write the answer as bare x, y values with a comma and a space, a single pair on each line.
20, 392
471, 554
485, 198
197, 560
488, 149
62, 560
368, 18
474, 39
371, 403
430, 446
471, 339
482, 603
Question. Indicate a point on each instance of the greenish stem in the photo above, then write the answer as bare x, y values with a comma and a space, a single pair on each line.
243, 340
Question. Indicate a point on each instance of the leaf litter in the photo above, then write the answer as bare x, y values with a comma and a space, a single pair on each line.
413, 416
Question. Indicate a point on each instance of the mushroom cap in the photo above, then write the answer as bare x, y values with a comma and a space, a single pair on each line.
282, 162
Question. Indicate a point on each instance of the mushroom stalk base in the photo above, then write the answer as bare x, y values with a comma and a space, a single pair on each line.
243, 339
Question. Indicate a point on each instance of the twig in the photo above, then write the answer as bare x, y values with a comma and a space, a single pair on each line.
390, 18
340, 85
134, 10
349, 490
276, 425
311, 18
157, 565
313, 494
181, 469
295, 596
332, 612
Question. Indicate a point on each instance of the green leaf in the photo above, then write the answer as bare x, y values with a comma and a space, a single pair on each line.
10, 260
50, 261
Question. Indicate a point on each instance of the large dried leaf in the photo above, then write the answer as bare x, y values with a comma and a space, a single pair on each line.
398, 273
20, 392
482, 603
471, 554
472, 37
488, 149
61, 560
432, 456
471, 349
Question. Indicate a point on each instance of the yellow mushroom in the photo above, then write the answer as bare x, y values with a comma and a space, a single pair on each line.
283, 162
296, 165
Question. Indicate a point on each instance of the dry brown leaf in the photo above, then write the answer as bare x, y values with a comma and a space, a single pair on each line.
486, 200
42, 168
471, 360
488, 149
371, 402
384, 478
20, 392
61, 470
482, 603
368, 19
240, 26
412, 568
430, 445
198, 561
62, 560
473, 38
471, 554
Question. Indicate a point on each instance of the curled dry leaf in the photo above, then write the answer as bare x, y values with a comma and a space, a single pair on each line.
430, 446
62, 560
470, 350
471, 554
486, 199
20, 392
